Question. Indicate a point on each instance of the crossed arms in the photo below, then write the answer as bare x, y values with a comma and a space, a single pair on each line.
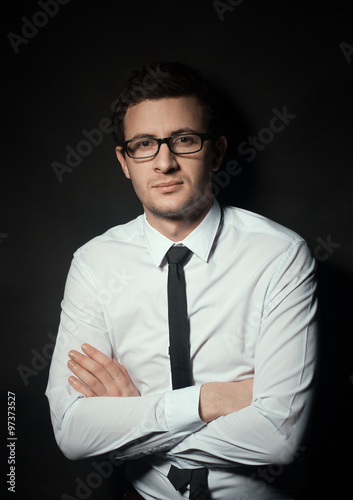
99, 376
101, 410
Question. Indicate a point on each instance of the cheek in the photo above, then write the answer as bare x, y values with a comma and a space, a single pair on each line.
204, 175
134, 174
138, 181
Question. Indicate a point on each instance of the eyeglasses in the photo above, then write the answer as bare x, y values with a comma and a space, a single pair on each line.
180, 144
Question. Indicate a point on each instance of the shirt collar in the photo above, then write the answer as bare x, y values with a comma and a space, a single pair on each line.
199, 241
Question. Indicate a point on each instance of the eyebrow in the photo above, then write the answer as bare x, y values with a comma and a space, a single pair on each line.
174, 132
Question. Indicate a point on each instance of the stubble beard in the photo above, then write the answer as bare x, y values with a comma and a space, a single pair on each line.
191, 210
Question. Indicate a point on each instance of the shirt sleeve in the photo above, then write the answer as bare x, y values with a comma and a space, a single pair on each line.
272, 428
131, 427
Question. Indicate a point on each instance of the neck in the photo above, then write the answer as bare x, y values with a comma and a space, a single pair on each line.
178, 228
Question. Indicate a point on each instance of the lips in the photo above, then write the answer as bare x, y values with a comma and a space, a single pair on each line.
168, 186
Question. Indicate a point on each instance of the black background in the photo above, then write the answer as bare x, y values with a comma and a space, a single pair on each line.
263, 55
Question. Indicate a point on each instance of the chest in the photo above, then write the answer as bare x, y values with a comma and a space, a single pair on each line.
224, 301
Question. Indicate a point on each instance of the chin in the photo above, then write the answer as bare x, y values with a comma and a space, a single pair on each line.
189, 210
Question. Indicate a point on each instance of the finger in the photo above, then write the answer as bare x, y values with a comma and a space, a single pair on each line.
114, 369
86, 376
103, 374
90, 365
133, 389
122, 369
80, 387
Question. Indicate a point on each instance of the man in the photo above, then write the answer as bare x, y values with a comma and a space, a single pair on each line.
250, 295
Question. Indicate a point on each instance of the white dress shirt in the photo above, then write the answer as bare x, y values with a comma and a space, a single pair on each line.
251, 305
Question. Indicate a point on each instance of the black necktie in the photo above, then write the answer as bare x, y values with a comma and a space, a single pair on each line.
196, 477
179, 350
179, 342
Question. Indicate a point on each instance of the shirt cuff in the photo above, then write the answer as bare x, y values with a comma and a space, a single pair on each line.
182, 410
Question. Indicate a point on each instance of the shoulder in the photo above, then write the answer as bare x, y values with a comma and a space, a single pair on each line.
254, 225
261, 241
128, 234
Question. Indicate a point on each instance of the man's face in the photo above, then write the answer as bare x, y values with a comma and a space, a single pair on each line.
171, 186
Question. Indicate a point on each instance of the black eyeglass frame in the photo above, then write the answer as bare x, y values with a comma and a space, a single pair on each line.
204, 136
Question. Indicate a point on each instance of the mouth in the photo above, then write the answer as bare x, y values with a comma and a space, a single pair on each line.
168, 187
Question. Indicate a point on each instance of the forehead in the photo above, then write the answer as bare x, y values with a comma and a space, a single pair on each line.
162, 117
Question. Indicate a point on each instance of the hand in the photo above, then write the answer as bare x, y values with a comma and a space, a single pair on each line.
221, 398
102, 376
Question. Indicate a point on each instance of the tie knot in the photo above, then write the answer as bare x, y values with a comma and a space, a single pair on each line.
178, 255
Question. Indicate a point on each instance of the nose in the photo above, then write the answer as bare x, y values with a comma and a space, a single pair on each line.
165, 161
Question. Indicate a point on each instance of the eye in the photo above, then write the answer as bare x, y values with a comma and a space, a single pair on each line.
186, 143
140, 146
184, 139
145, 144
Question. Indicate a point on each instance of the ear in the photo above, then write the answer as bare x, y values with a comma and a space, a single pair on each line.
121, 158
219, 152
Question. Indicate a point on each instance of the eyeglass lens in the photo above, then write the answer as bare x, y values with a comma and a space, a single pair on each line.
180, 144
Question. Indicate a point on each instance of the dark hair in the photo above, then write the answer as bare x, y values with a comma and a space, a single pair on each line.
159, 80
